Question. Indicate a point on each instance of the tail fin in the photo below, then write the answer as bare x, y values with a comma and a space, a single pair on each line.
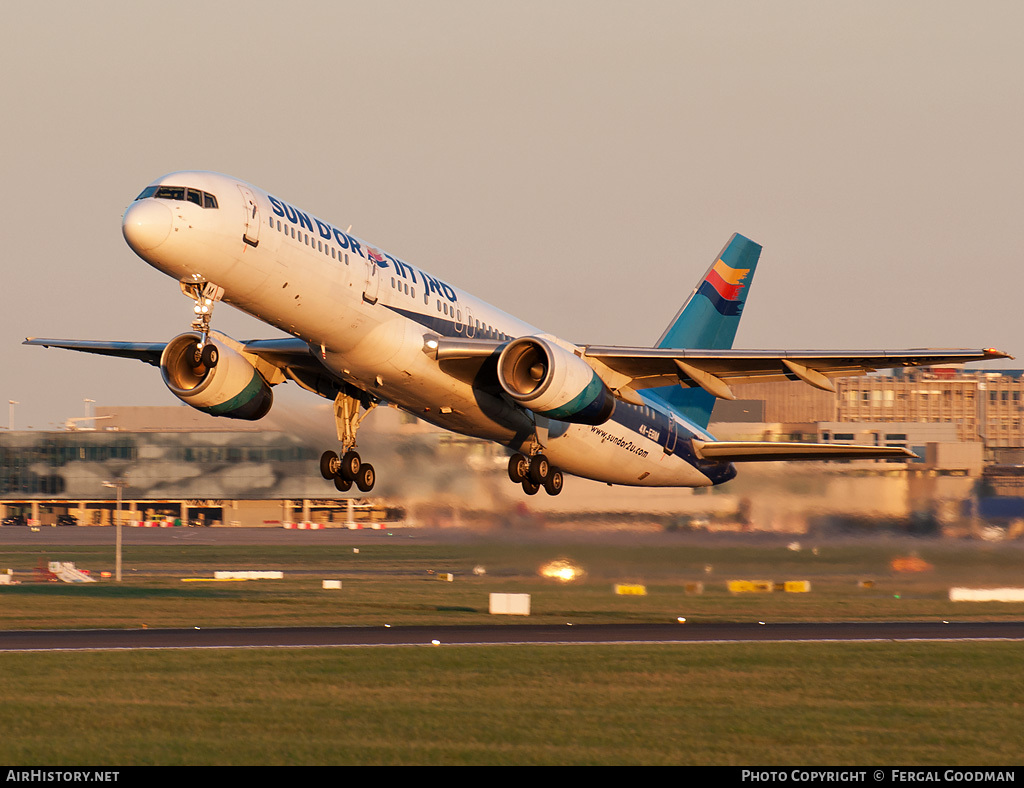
709, 320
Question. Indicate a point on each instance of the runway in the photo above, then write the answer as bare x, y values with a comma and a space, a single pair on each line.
521, 634
672, 632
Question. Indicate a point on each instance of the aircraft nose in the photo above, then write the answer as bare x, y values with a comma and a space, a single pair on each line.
146, 224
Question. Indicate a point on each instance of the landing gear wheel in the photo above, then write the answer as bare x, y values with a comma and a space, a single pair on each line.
210, 356
342, 485
329, 465
366, 477
529, 487
518, 468
349, 468
553, 484
540, 469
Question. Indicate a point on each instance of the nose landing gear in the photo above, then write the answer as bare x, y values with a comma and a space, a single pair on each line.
205, 295
535, 472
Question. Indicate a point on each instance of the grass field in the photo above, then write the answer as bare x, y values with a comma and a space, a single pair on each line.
758, 704
770, 704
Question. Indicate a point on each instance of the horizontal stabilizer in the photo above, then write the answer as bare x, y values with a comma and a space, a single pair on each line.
769, 451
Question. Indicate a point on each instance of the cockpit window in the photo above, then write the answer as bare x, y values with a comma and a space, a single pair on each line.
170, 193
200, 198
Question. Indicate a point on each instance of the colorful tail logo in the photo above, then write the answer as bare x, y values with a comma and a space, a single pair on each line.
723, 287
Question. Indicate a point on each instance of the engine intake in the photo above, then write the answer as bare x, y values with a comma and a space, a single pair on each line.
553, 381
233, 388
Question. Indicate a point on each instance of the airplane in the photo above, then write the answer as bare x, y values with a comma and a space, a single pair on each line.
368, 328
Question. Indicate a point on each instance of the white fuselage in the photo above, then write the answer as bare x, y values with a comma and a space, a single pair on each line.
367, 315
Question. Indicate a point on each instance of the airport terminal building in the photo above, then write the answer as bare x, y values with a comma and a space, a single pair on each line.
172, 464
985, 407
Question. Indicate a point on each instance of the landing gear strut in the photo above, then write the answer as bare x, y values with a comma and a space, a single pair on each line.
535, 472
348, 469
205, 294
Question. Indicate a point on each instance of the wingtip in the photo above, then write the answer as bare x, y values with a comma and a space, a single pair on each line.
991, 352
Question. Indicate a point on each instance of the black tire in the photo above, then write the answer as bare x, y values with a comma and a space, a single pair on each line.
329, 465
540, 469
518, 467
529, 487
349, 468
553, 484
342, 485
210, 356
366, 477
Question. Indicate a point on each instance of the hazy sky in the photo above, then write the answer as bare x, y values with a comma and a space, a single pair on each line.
576, 163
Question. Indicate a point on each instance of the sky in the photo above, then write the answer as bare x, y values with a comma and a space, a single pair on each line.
576, 163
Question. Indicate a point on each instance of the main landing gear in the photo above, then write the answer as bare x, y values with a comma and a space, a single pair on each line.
535, 472
348, 469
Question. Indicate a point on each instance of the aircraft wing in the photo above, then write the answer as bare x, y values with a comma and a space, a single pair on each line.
148, 352
763, 451
715, 370
291, 356
628, 369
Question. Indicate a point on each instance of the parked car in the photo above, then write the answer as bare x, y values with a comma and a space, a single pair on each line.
67, 519
18, 519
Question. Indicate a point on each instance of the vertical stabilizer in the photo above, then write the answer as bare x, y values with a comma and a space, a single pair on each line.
709, 319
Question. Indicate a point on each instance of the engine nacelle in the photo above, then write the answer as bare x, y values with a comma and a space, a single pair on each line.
232, 387
554, 382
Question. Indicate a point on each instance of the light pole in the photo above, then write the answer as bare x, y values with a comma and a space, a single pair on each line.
10, 413
119, 484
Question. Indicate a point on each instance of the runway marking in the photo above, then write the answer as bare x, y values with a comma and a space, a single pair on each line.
512, 643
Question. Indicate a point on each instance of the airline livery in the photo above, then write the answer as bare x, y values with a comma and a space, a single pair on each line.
369, 328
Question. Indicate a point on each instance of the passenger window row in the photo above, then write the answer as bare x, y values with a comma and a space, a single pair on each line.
403, 287
311, 241
320, 246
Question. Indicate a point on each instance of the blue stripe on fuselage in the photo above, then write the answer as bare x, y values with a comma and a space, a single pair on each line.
443, 326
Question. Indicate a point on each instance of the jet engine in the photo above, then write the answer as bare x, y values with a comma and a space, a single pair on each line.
553, 381
220, 381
